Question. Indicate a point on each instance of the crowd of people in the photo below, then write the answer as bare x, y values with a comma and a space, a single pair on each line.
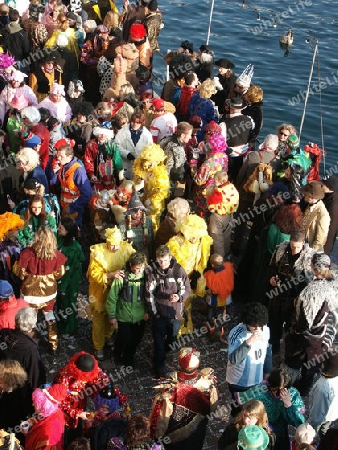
181, 201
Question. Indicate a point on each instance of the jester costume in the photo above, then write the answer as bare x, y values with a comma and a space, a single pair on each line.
180, 411
191, 248
102, 262
149, 168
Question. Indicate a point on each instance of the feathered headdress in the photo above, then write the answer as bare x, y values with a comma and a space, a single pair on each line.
6, 60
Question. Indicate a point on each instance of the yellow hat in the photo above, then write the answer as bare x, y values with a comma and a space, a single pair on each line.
153, 152
113, 236
9, 221
192, 226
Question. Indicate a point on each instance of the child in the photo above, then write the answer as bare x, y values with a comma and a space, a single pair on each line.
304, 435
220, 281
222, 201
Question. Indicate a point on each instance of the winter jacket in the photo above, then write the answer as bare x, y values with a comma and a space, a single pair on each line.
160, 284
316, 224
125, 300
16, 41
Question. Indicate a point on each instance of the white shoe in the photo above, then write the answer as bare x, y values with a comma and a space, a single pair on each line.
99, 354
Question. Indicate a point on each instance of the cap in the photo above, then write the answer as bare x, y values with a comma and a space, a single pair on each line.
305, 434
31, 113
56, 393
137, 32
293, 141
32, 140
236, 103
253, 436
158, 103
18, 76
31, 183
63, 142
189, 359
6, 290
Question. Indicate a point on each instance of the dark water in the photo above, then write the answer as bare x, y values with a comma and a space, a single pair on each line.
238, 35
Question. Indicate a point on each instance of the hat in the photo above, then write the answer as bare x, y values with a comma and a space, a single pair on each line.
186, 45
314, 189
158, 103
35, 10
19, 101
135, 204
56, 393
31, 183
97, 131
195, 121
188, 358
213, 128
31, 113
6, 60
101, 29
6, 289
244, 80
206, 49
75, 86
293, 141
137, 32
113, 236
330, 365
225, 63
85, 362
253, 437
305, 434
62, 40
18, 76
236, 103
58, 89
32, 140
321, 261
331, 182
63, 142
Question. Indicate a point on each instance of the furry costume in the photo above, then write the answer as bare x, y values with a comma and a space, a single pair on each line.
149, 168
102, 262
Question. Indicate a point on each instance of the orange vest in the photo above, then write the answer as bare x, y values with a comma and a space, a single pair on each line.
69, 191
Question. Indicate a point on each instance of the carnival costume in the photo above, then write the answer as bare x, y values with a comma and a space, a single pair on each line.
10, 249
47, 430
81, 376
191, 248
39, 285
180, 411
26, 235
149, 167
69, 286
102, 262
203, 176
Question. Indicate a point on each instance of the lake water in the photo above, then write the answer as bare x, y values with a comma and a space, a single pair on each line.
238, 35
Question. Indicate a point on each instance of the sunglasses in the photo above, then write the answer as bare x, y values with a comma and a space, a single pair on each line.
284, 134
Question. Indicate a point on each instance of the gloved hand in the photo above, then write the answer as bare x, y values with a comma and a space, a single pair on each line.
193, 279
131, 157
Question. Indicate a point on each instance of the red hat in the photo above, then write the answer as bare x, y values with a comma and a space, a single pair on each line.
158, 103
137, 32
56, 393
189, 359
63, 142
213, 128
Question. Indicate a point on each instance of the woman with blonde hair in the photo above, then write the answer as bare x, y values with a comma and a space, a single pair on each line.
201, 105
27, 161
15, 395
254, 98
253, 413
40, 267
50, 19
111, 20
284, 131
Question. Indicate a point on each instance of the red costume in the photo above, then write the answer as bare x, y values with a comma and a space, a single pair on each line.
43, 133
79, 384
47, 434
8, 309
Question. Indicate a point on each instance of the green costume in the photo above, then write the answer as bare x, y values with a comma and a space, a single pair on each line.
68, 287
27, 233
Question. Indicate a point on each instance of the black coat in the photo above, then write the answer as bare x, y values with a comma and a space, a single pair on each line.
15, 407
22, 348
331, 204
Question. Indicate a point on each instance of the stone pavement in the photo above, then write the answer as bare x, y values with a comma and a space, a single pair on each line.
138, 383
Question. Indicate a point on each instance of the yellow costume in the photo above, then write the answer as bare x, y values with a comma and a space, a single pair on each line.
191, 248
149, 167
72, 40
102, 262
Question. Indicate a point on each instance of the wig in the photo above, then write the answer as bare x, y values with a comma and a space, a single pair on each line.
254, 94
113, 236
217, 143
289, 218
83, 108
152, 152
9, 221
29, 157
255, 314
44, 243
45, 405
178, 208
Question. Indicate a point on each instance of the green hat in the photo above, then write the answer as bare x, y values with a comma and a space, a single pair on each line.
253, 437
293, 141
